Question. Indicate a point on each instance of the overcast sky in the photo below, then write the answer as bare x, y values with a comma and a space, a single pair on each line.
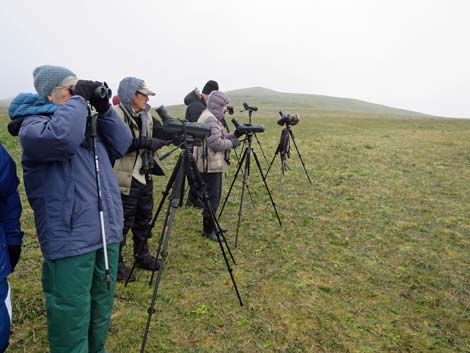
412, 54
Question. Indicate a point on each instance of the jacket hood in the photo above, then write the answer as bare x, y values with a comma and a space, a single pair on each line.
127, 88
192, 96
24, 105
216, 102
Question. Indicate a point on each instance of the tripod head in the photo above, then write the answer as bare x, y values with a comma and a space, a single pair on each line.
249, 109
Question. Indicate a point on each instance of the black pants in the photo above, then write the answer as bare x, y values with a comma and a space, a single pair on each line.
213, 183
138, 206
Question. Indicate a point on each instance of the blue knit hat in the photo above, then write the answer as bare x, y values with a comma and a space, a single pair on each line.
48, 77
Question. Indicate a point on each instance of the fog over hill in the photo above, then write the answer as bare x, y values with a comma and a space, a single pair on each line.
270, 100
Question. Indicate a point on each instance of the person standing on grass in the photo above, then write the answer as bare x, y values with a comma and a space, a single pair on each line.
196, 103
210, 159
10, 238
135, 169
59, 177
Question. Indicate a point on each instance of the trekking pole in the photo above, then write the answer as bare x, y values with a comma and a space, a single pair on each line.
92, 121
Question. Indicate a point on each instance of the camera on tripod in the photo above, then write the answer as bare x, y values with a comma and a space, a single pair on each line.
175, 129
287, 119
246, 129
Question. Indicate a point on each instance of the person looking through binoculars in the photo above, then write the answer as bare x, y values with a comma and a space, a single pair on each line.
210, 159
80, 248
134, 171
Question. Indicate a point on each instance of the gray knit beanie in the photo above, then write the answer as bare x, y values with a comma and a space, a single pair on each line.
48, 77
216, 102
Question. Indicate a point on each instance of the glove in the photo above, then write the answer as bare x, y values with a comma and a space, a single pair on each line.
84, 88
236, 143
101, 104
14, 252
156, 144
238, 132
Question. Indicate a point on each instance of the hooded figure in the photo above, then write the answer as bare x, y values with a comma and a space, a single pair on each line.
196, 101
210, 160
134, 171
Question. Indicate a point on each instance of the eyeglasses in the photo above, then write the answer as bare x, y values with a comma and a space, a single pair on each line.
142, 94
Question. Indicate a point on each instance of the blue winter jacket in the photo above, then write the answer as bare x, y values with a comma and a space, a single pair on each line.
10, 210
59, 176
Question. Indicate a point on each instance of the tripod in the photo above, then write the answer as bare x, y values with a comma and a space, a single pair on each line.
250, 114
185, 169
246, 157
283, 149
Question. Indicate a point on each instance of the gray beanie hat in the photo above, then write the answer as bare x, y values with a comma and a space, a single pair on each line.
216, 102
48, 77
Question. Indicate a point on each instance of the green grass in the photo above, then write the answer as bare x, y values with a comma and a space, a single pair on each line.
374, 257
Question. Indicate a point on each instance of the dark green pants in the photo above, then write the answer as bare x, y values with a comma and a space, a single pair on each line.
78, 302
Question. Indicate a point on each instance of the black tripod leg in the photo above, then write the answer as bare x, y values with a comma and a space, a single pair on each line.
261, 148
251, 196
170, 216
220, 236
267, 188
196, 179
300, 156
272, 161
151, 310
165, 193
160, 242
233, 182
246, 174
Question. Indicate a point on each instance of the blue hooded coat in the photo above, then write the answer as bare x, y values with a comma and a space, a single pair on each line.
10, 210
59, 173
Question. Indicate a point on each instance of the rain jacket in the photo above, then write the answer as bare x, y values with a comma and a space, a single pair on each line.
10, 210
59, 173
195, 105
124, 167
210, 158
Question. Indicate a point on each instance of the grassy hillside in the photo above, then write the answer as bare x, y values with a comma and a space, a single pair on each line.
273, 101
373, 257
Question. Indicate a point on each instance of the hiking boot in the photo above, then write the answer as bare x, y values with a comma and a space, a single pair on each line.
194, 203
148, 262
211, 235
123, 272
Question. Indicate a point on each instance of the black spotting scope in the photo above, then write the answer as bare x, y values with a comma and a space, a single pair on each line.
247, 107
247, 128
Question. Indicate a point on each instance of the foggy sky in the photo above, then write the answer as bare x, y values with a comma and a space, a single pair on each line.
410, 54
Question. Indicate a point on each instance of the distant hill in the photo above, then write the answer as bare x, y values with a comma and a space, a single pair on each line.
268, 99
272, 101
